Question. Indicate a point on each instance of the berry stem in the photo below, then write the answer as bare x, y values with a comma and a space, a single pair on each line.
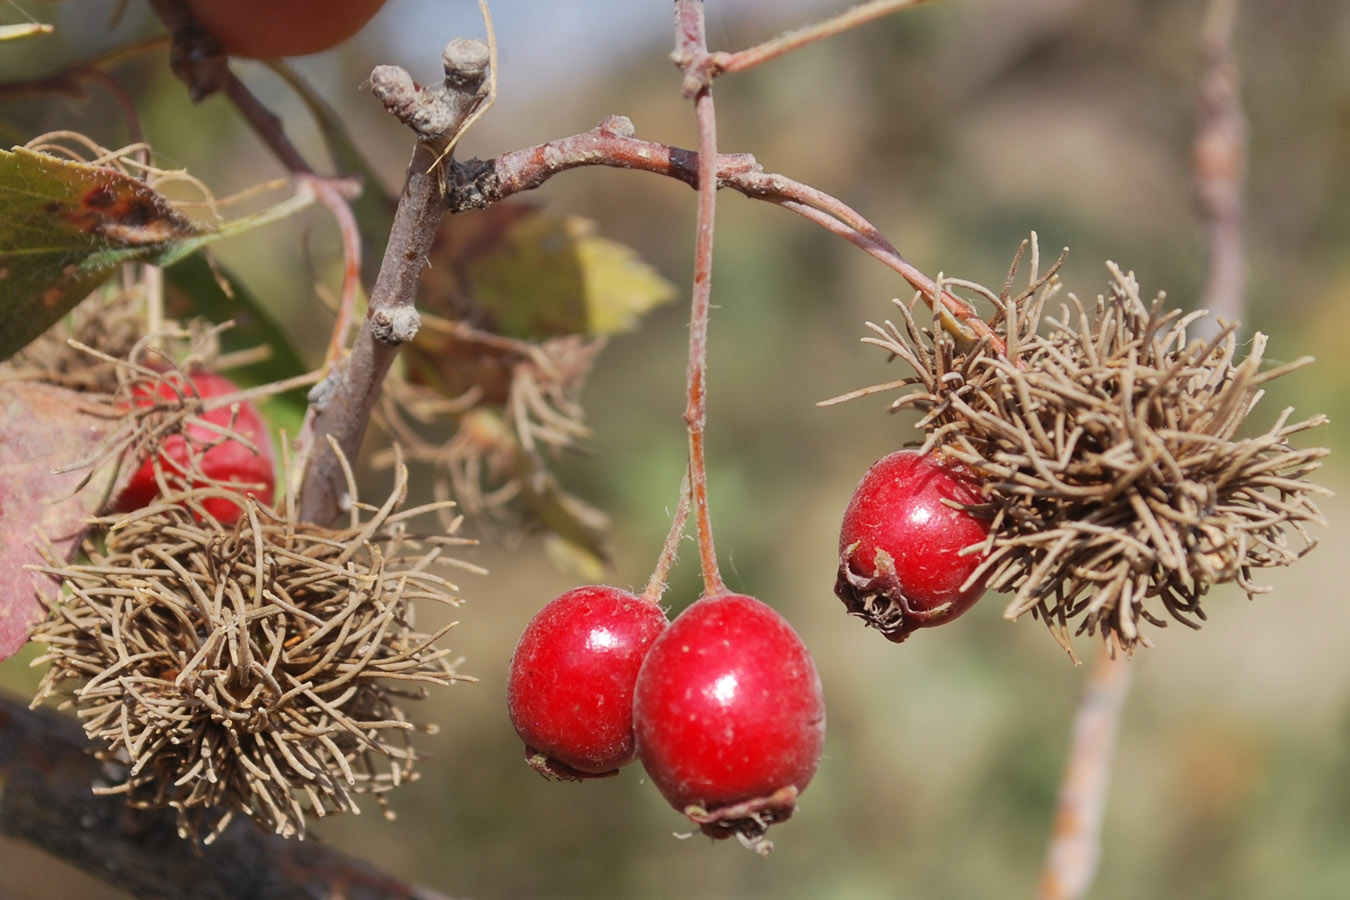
656, 585
691, 52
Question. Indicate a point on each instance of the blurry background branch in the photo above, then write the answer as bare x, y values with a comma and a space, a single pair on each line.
46, 774
1219, 165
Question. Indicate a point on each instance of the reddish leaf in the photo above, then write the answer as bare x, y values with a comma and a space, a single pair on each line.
41, 428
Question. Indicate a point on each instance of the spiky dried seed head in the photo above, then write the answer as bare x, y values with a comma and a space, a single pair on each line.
1118, 471
257, 669
490, 445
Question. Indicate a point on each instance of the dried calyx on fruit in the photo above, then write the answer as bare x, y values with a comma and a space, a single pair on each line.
1118, 476
256, 669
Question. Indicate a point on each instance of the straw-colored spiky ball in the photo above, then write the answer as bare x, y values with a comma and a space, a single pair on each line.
256, 669
1120, 473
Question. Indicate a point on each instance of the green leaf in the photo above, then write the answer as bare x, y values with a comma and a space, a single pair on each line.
554, 275
195, 288
66, 226
523, 273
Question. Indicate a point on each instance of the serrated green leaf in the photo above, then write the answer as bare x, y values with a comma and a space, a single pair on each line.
66, 226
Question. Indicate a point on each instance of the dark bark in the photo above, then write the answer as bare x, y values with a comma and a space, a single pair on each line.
46, 800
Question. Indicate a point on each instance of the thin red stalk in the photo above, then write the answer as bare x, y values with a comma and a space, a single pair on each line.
1075, 844
656, 585
695, 414
331, 194
266, 124
881, 249
692, 49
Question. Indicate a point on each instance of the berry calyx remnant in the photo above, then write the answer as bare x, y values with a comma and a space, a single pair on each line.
900, 562
200, 449
571, 680
730, 716
267, 29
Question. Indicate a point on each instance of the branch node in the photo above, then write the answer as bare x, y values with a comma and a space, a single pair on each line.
395, 89
434, 113
466, 63
619, 126
395, 326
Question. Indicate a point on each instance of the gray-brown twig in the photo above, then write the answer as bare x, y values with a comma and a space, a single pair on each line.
343, 404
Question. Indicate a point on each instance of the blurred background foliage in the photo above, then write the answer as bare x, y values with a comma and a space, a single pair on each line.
956, 128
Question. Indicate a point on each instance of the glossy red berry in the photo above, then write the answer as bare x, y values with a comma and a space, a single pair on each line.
227, 461
729, 715
570, 687
900, 562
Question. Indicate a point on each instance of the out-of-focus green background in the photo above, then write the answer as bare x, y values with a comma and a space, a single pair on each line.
956, 128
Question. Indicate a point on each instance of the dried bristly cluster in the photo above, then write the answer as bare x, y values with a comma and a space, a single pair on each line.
257, 669
81, 352
490, 446
137, 381
1118, 474
149, 396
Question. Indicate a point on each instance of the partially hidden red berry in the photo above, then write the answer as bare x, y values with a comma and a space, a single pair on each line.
263, 29
730, 716
900, 562
570, 687
227, 461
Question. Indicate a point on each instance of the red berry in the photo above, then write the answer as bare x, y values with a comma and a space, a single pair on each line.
570, 689
263, 29
223, 461
900, 566
730, 717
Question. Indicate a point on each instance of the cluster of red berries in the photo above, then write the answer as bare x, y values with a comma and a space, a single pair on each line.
723, 705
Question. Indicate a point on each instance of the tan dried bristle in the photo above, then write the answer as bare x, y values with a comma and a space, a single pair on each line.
256, 669
1119, 478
